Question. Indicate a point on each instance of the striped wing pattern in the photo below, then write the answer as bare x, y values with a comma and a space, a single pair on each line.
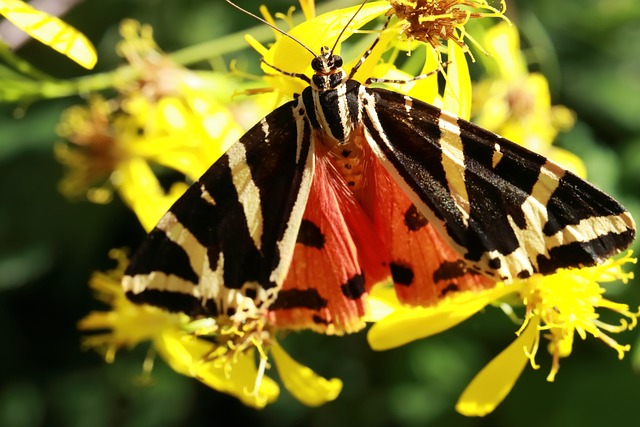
211, 253
506, 211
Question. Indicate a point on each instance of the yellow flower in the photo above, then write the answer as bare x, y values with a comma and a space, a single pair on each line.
516, 104
496, 380
220, 356
558, 306
566, 304
168, 117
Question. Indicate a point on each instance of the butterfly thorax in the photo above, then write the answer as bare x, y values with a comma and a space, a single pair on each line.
332, 104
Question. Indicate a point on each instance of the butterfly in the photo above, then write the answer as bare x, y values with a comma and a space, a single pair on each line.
348, 185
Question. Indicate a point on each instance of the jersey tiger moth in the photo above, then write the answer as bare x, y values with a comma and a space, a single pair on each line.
346, 186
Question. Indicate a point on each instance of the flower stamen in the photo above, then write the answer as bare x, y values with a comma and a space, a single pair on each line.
435, 21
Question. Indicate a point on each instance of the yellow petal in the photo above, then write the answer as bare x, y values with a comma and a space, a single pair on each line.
427, 89
171, 114
408, 324
371, 67
96, 320
51, 31
304, 384
256, 45
187, 355
496, 380
457, 92
308, 8
127, 323
503, 44
382, 302
242, 381
141, 190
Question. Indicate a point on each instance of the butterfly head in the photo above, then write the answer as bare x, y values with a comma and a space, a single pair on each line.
328, 70
326, 62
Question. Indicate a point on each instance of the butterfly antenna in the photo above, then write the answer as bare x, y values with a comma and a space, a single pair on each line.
276, 28
346, 26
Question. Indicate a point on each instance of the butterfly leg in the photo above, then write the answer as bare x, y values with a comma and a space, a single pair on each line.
368, 52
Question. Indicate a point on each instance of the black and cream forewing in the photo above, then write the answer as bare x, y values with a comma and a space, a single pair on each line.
507, 211
225, 246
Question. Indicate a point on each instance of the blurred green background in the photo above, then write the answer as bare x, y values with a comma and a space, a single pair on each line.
590, 52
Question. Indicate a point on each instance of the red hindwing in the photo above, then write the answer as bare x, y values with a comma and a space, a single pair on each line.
423, 266
337, 258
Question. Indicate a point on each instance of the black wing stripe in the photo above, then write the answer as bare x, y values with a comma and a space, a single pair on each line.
496, 193
522, 176
583, 201
175, 302
155, 250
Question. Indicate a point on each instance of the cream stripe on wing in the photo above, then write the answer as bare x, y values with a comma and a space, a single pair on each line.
287, 244
248, 193
531, 238
210, 281
265, 130
343, 106
408, 105
179, 234
590, 229
453, 162
368, 103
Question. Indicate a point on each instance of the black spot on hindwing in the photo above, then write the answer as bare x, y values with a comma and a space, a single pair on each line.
401, 273
354, 287
449, 270
413, 219
319, 320
299, 298
495, 263
451, 287
310, 235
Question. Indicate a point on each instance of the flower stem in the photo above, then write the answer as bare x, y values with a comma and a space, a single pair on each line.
47, 88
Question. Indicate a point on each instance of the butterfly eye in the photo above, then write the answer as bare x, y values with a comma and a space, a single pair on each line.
337, 61
317, 63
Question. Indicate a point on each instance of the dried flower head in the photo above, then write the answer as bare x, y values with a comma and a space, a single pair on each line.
435, 21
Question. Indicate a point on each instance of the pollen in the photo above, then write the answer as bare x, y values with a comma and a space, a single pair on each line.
571, 301
436, 21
